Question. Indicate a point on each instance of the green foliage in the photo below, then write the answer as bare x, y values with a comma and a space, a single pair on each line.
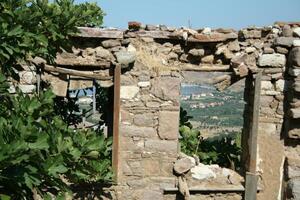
223, 150
38, 150
31, 28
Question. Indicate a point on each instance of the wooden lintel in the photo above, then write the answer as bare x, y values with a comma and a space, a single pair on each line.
81, 62
88, 32
50, 68
205, 68
116, 121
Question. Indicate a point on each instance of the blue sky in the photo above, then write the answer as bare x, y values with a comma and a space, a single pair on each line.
201, 13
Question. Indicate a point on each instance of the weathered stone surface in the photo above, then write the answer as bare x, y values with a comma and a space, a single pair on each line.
214, 37
287, 31
151, 167
202, 172
27, 77
27, 88
280, 85
132, 130
209, 59
250, 49
150, 27
284, 41
296, 43
296, 31
197, 52
294, 72
294, 133
182, 165
250, 33
144, 84
128, 92
295, 56
295, 113
105, 54
166, 88
234, 46
293, 188
145, 119
265, 101
99, 33
168, 125
268, 50
110, 43
168, 146
281, 50
272, 60
125, 57
266, 85
293, 167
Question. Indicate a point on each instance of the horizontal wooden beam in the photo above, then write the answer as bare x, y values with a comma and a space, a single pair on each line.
88, 32
81, 62
50, 68
205, 68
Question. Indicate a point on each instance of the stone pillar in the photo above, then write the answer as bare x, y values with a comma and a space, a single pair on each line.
148, 132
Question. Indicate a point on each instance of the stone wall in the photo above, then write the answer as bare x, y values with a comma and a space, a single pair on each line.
152, 59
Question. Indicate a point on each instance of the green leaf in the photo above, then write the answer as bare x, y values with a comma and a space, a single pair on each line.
15, 31
4, 197
41, 143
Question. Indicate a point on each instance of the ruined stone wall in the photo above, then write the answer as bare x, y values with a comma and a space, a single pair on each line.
152, 59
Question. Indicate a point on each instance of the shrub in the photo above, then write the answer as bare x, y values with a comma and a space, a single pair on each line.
223, 150
38, 152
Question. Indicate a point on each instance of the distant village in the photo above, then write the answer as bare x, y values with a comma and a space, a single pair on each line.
193, 97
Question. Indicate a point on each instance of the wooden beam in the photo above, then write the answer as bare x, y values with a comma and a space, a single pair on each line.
205, 68
251, 177
81, 62
116, 121
254, 125
251, 186
87, 32
50, 68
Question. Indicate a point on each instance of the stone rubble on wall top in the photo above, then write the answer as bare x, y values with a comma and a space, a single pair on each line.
284, 41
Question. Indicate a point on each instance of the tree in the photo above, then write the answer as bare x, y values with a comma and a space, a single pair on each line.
39, 154
30, 28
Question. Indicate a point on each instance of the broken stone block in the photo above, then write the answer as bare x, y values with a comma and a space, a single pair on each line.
156, 145
251, 33
287, 31
266, 85
293, 188
125, 57
294, 56
132, 130
110, 43
27, 88
145, 119
296, 31
209, 59
272, 60
182, 166
295, 113
202, 172
167, 130
197, 52
296, 43
234, 46
129, 92
284, 41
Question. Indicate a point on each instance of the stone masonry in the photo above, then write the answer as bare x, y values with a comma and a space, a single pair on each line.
152, 59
